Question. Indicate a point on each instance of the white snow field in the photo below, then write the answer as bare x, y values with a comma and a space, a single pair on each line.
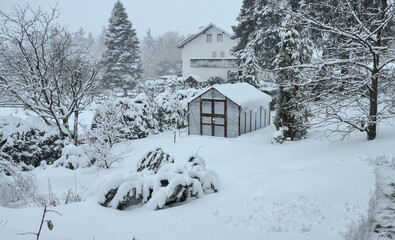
310, 189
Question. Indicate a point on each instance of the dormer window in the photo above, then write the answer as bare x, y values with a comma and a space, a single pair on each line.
209, 37
220, 37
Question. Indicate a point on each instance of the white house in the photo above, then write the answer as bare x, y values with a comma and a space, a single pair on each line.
207, 53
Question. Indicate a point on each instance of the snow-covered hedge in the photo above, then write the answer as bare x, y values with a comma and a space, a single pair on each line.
136, 118
171, 183
29, 141
130, 118
172, 108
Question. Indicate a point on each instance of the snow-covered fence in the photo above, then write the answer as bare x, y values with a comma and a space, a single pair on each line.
11, 104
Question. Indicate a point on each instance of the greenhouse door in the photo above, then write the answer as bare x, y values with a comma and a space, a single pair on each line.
213, 117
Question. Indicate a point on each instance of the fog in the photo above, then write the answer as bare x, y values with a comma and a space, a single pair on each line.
184, 16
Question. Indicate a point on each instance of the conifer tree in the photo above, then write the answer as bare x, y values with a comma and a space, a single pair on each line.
147, 55
257, 35
122, 60
292, 112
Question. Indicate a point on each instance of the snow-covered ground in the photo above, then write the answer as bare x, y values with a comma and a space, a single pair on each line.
310, 189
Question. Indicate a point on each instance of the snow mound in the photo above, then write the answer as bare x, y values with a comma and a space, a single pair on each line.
159, 182
73, 157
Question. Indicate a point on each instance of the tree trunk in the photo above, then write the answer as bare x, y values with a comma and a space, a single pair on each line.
372, 131
125, 92
75, 130
372, 127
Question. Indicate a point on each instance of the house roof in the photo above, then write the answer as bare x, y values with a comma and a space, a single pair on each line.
201, 31
195, 76
243, 94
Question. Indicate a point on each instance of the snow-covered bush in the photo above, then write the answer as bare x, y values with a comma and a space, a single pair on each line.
215, 80
154, 160
279, 135
14, 183
29, 141
207, 177
130, 119
171, 183
172, 108
73, 157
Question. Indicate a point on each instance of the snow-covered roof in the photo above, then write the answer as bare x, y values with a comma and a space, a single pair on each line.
243, 94
168, 77
201, 31
194, 76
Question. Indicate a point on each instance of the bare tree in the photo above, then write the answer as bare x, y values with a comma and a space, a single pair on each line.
353, 82
42, 67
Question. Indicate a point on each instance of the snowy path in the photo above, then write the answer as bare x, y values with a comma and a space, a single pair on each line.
383, 222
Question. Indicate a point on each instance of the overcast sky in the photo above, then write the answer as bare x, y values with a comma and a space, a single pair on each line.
184, 16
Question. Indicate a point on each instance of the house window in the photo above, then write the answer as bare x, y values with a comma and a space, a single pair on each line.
220, 37
214, 54
209, 37
222, 54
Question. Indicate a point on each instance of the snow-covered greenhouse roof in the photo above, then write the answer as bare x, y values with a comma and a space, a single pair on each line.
201, 31
243, 94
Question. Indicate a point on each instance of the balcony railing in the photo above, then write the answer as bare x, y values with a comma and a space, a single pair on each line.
214, 63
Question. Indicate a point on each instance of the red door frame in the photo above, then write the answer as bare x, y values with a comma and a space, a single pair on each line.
213, 115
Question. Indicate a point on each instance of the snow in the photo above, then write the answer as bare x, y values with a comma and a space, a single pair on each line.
244, 94
73, 157
306, 190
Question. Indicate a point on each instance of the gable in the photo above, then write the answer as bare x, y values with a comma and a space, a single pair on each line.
211, 28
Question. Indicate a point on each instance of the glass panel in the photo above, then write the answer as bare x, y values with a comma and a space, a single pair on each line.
206, 120
242, 123
253, 121
248, 122
219, 107
219, 120
218, 95
207, 130
208, 95
232, 120
194, 117
220, 37
219, 131
206, 106
209, 37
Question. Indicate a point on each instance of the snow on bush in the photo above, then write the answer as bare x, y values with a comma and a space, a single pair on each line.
29, 141
14, 184
154, 160
172, 108
279, 135
73, 157
159, 182
130, 118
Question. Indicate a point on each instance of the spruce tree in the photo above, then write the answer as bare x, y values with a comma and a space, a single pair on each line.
147, 55
257, 35
122, 60
292, 111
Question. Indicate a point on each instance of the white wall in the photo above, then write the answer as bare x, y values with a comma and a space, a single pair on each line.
199, 48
